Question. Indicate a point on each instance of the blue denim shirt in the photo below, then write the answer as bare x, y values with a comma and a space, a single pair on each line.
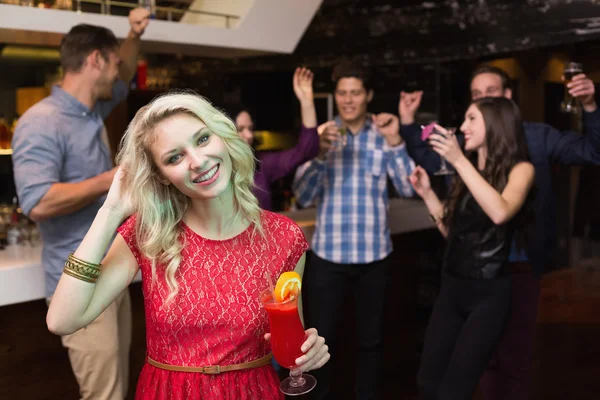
60, 140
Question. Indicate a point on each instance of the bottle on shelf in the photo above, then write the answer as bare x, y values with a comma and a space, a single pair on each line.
13, 235
293, 206
5, 135
142, 74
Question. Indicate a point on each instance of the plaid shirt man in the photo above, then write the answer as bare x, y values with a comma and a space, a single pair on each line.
349, 188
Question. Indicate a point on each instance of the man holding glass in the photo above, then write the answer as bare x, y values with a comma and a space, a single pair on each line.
508, 376
352, 244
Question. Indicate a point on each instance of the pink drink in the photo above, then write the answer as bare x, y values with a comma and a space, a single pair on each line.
427, 131
287, 332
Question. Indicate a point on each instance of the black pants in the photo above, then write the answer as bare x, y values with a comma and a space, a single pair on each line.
466, 325
324, 286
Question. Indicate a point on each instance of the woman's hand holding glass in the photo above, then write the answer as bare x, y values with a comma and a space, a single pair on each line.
444, 142
316, 352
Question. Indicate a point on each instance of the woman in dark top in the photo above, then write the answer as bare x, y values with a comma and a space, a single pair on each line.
487, 206
272, 166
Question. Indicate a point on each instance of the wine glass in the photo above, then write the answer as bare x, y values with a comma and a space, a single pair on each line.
425, 133
287, 337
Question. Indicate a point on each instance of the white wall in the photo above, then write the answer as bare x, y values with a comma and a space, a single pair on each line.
230, 7
268, 26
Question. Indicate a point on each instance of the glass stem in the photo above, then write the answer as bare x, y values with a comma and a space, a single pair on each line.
443, 166
296, 377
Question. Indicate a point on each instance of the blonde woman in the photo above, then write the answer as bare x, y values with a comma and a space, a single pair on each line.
204, 248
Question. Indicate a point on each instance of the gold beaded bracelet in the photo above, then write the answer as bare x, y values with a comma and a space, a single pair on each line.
82, 270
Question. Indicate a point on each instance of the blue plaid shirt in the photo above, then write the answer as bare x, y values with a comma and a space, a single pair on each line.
349, 188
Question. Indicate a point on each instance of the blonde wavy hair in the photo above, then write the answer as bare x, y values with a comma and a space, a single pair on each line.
161, 207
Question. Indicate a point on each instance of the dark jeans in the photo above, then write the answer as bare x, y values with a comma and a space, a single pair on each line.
508, 376
324, 286
465, 327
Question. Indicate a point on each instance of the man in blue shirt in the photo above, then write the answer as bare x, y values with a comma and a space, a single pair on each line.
508, 376
63, 169
352, 244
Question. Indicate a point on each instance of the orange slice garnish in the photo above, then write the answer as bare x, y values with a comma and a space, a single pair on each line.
288, 284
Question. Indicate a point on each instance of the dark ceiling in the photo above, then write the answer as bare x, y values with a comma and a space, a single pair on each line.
411, 31
409, 44
417, 31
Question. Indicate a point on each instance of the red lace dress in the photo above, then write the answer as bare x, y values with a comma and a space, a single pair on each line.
216, 319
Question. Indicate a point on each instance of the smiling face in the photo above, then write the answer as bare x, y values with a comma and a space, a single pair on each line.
352, 99
191, 158
474, 129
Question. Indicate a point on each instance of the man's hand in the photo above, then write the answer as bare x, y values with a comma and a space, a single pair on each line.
138, 20
389, 127
408, 105
329, 137
583, 88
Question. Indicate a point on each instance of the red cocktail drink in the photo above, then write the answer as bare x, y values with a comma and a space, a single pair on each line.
287, 337
287, 332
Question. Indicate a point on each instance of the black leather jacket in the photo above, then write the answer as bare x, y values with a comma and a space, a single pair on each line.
477, 248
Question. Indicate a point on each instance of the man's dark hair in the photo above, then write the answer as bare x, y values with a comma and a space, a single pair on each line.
83, 39
490, 69
352, 69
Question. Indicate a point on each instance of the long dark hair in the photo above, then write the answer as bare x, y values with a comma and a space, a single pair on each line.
506, 146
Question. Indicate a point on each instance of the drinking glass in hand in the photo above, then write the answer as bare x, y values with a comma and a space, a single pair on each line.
287, 337
344, 136
428, 130
569, 104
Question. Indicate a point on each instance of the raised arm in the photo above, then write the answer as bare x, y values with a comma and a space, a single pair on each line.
499, 207
130, 48
278, 164
569, 147
418, 150
128, 52
76, 303
398, 163
303, 88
